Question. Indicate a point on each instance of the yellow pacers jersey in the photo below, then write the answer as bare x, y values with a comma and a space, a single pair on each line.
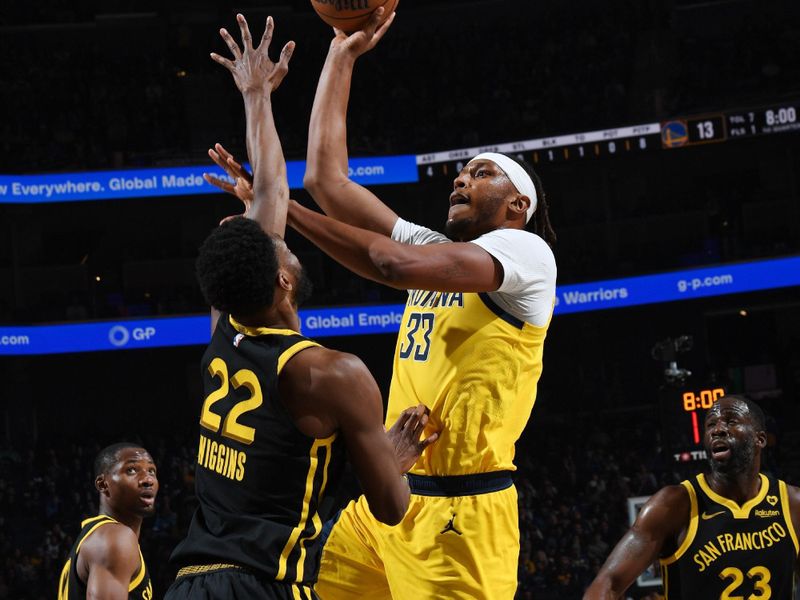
476, 367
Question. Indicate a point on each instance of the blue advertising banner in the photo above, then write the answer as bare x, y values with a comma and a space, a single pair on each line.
364, 320
176, 181
680, 285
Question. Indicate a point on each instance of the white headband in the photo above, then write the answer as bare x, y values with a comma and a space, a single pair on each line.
518, 176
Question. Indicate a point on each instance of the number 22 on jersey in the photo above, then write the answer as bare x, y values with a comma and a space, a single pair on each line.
231, 428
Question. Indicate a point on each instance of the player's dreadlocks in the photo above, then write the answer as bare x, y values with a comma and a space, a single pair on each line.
540, 221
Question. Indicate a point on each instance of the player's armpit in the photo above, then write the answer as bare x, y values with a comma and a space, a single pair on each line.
111, 558
660, 523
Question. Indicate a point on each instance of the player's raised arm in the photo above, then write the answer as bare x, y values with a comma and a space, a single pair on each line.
659, 523
111, 557
256, 77
455, 267
341, 385
327, 178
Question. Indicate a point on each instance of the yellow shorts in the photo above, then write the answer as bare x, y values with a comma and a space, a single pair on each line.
445, 547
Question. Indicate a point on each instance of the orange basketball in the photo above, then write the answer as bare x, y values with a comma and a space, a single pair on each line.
351, 15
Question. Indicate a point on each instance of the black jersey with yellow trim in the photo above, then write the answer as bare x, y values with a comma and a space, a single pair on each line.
731, 551
70, 585
259, 480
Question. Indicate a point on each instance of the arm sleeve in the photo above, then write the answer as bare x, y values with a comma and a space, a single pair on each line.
409, 233
529, 273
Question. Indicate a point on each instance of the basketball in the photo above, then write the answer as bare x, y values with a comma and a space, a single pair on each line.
351, 15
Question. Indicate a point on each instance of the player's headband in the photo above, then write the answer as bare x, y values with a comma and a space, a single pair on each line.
518, 176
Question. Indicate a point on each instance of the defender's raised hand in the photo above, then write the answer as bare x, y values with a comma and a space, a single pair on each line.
252, 69
242, 186
405, 436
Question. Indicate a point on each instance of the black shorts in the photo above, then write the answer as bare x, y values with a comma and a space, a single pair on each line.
235, 584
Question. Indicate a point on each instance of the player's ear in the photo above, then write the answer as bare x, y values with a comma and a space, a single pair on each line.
761, 439
283, 281
520, 204
101, 484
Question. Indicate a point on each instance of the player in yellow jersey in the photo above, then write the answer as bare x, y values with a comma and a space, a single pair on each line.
730, 533
105, 561
470, 348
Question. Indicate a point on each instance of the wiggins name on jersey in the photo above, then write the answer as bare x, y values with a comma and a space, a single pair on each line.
476, 367
70, 586
733, 551
259, 480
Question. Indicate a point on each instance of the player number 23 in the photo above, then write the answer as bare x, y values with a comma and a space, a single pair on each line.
761, 576
231, 427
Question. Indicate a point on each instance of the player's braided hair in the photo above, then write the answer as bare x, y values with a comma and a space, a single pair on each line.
540, 221
236, 267
107, 457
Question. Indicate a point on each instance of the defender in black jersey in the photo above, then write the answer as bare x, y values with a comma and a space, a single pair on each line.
279, 409
730, 533
105, 561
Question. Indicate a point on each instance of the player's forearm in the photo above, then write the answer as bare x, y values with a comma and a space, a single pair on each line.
326, 157
364, 252
602, 588
270, 187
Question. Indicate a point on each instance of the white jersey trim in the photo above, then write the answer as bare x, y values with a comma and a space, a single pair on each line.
529, 268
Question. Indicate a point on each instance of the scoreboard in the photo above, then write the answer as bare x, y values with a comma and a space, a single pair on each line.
723, 126
572, 147
679, 132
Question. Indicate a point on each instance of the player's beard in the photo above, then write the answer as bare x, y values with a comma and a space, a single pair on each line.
743, 454
469, 228
304, 287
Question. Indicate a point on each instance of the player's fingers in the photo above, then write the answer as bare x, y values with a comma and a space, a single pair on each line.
247, 39
234, 168
212, 154
282, 68
373, 22
217, 182
223, 152
222, 60
286, 55
266, 39
402, 420
241, 171
232, 45
384, 27
428, 441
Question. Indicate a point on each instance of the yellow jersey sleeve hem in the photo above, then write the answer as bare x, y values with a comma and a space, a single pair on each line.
787, 513
139, 576
692, 530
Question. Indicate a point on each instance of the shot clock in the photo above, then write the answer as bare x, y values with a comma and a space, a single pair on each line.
683, 413
699, 400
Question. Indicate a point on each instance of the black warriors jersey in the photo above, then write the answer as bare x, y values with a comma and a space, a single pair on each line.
70, 586
259, 480
733, 551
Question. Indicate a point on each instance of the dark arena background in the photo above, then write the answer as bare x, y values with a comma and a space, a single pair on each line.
667, 137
